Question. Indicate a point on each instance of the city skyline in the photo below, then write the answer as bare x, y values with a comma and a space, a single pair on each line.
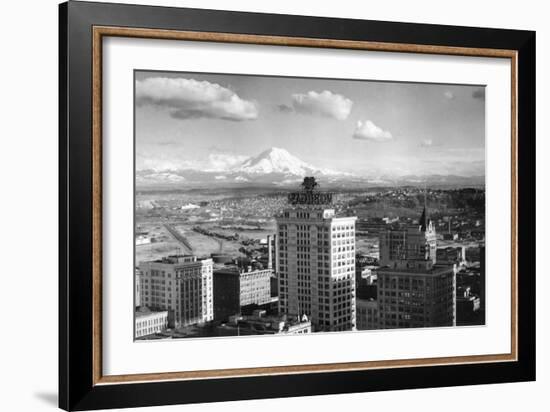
215, 122
327, 265
280, 205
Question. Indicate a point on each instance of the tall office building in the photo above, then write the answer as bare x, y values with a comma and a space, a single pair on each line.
416, 297
416, 242
367, 314
315, 261
412, 290
181, 285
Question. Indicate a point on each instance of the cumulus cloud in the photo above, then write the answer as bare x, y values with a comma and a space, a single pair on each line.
478, 94
367, 130
162, 162
221, 161
426, 143
192, 99
449, 95
172, 161
325, 103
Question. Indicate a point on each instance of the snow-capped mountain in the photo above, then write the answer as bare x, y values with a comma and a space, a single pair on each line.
277, 167
272, 166
279, 161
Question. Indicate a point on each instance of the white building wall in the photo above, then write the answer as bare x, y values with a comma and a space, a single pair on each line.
150, 323
316, 267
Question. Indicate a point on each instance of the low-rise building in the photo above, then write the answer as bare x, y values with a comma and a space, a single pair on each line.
142, 240
467, 304
235, 287
148, 322
261, 324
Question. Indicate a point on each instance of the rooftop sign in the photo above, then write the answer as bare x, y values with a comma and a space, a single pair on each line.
308, 196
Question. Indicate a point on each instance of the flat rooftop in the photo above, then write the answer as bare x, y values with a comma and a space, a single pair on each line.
178, 259
147, 312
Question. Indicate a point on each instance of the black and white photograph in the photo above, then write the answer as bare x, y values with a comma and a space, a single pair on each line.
275, 206
270, 205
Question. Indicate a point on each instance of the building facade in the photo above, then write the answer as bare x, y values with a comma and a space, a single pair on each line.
137, 291
367, 314
261, 324
315, 262
148, 323
181, 285
416, 297
412, 290
416, 242
235, 288
452, 255
467, 304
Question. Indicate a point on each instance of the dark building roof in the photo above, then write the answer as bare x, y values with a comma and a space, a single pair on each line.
423, 221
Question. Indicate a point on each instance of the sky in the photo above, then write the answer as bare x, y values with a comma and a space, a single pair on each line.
215, 121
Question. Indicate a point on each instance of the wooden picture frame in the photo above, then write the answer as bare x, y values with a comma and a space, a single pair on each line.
82, 385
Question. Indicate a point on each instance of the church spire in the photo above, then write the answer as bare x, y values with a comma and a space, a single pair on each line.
423, 221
